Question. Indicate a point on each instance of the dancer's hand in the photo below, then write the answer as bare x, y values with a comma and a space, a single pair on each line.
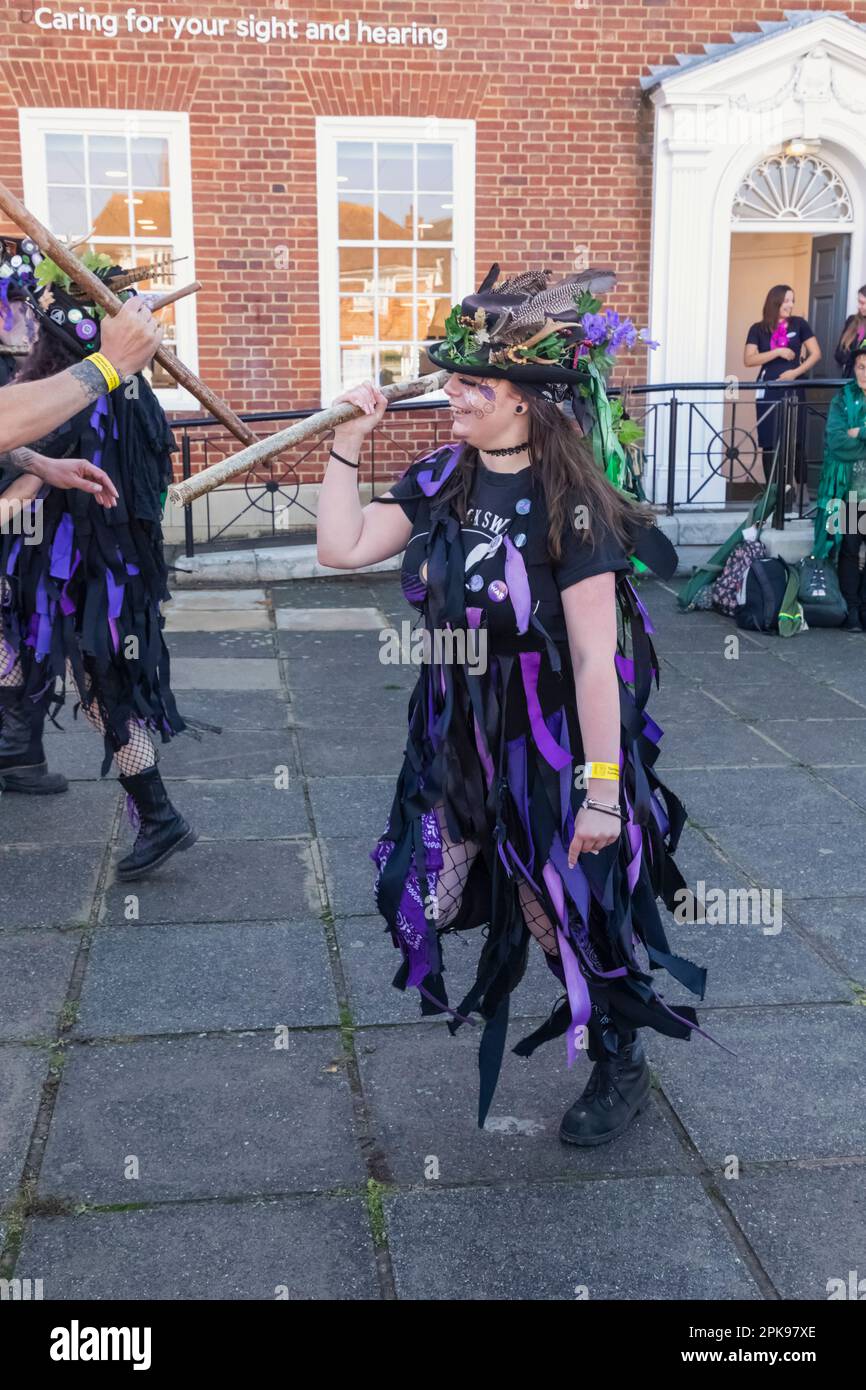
787, 354
787, 376
593, 830
79, 474
372, 402
131, 337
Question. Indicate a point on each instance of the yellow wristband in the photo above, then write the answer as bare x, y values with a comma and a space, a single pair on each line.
103, 365
605, 772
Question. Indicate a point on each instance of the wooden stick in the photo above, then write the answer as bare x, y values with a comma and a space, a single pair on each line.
186, 492
160, 301
101, 295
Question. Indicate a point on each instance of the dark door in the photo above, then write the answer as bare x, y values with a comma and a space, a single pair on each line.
828, 309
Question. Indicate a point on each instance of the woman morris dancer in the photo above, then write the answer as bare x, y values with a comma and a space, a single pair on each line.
527, 801
89, 594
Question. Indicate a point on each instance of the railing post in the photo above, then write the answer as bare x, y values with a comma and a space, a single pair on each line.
672, 454
186, 468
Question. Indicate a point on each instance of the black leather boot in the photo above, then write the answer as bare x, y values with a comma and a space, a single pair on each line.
162, 829
852, 621
22, 756
617, 1090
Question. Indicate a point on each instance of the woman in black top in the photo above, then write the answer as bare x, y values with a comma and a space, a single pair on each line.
853, 335
527, 801
784, 347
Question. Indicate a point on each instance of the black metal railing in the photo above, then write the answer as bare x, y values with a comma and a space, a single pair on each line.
701, 445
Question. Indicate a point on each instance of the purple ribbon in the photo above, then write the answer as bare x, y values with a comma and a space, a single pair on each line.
530, 663
60, 566
518, 585
430, 486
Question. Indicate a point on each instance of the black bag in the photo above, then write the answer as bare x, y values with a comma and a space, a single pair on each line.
763, 595
820, 595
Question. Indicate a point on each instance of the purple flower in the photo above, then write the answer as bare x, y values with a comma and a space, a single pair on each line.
647, 342
594, 328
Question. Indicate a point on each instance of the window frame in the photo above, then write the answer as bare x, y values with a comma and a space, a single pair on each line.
329, 131
37, 122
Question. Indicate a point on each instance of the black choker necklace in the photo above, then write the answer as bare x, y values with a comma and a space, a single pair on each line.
514, 449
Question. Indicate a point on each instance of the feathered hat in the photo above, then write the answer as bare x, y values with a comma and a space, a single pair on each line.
551, 340
67, 311
19, 257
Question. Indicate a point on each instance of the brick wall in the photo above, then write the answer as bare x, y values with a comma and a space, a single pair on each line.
563, 145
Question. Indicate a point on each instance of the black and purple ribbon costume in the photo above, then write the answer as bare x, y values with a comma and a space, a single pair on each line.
498, 750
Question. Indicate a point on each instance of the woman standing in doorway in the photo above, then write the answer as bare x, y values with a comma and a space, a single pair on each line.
852, 336
776, 344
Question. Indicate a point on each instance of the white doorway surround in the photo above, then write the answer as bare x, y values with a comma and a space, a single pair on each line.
796, 88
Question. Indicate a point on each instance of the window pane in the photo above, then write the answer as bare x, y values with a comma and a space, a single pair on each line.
108, 160
356, 316
356, 269
110, 213
356, 365
435, 217
120, 255
149, 161
67, 212
432, 314
64, 158
395, 167
395, 216
356, 216
355, 164
434, 271
395, 270
398, 364
434, 168
395, 317
151, 213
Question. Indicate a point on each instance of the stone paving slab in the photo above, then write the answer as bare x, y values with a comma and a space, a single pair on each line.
422, 1089
370, 963
839, 924
321, 619
229, 754
300, 1248
721, 743
776, 688
204, 978
795, 1090
224, 881
633, 1239
77, 753
341, 753
209, 643
851, 781
740, 797
205, 1117
195, 620
777, 857
236, 599
224, 673
22, 1073
807, 1226
349, 872
363, 707
48, 887
343, 805
821, 742
239, 810
352, 590
35, 968
237, 711
83, 815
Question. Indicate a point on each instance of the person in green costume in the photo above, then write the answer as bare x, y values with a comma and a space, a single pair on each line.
842, 492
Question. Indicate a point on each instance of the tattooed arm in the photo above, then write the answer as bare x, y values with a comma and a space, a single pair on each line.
61, 473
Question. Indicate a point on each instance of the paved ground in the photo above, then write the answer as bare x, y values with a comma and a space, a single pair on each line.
210, 1089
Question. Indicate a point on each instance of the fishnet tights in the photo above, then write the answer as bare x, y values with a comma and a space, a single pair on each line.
135, 756
458, 857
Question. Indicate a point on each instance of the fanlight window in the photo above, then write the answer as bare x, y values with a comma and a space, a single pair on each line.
792, 188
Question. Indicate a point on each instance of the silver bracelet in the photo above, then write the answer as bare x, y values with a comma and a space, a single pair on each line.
603, 806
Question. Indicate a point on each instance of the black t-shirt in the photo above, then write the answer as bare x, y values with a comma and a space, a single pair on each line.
513, 503
799, 331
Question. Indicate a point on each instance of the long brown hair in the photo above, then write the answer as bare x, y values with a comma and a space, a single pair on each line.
564, 463
857, 321
770, 314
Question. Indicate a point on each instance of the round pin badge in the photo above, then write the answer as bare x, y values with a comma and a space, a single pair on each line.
57, 316
520, 540
476, 583
75, 316
86, 330
522, 506
497, 590
28, 246
16, 261
422, 572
